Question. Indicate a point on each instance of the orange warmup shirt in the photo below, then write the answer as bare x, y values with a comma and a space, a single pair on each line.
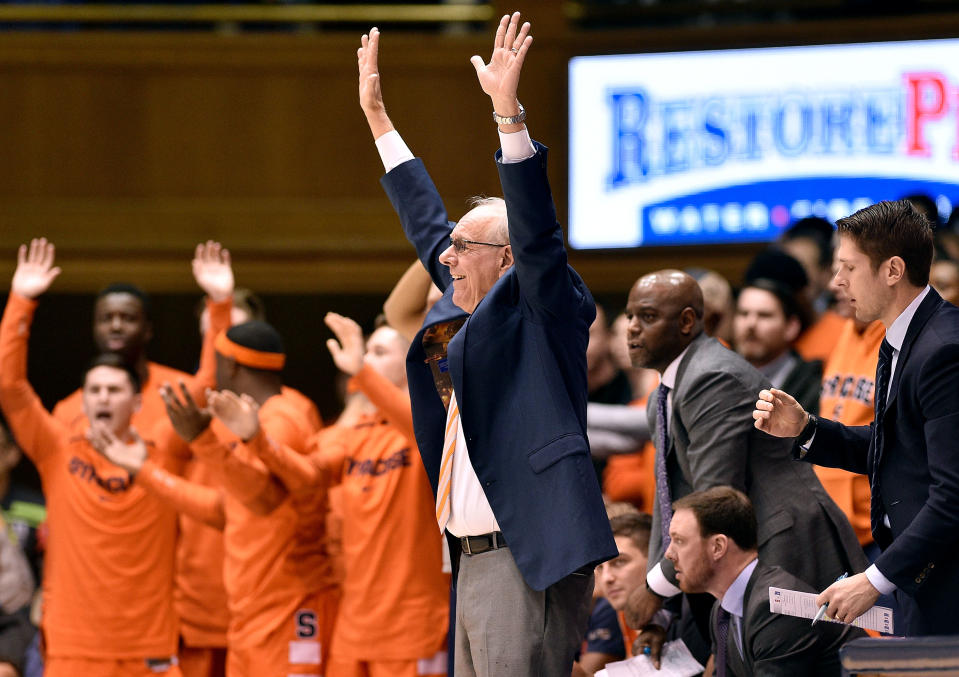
108, 577
395, 602
200, 598
629, 635
848, 386
818, 341
274, 555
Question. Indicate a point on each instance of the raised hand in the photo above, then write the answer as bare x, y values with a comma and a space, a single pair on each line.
212, 270
500, 77
779, 414
238, 413
188, 419
130, 457
35, 270
347, 348
371, 94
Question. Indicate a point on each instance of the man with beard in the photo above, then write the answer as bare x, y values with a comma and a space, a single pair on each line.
713, 549
766, 323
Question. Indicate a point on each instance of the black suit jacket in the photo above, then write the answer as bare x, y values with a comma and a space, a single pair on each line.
778, 645
518, 367
918, 473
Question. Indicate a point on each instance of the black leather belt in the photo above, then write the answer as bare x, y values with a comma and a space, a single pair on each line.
474, 545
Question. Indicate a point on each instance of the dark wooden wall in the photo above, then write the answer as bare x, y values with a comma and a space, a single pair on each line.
126, 149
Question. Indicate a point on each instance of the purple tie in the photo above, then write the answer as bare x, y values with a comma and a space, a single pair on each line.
662, 479
722, 635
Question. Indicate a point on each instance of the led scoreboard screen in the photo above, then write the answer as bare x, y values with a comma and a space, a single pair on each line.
733, 145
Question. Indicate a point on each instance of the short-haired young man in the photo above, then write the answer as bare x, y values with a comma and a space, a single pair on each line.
714, 549
910, 451
108, 583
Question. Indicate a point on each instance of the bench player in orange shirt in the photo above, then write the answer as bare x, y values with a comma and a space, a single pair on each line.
122, 326
276, 572
394, 588
108, 583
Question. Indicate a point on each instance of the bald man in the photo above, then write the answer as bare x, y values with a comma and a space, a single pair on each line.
702, 418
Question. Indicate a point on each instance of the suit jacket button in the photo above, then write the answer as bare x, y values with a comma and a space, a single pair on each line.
919, 579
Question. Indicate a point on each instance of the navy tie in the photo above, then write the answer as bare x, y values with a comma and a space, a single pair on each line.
883, 373
662, 479
722, 635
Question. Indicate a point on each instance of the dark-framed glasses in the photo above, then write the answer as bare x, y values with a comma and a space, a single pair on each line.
459, 244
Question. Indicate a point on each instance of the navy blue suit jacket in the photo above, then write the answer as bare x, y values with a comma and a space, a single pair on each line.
918, 472
518, 367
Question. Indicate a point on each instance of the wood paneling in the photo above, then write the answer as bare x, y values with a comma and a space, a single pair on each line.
128, 148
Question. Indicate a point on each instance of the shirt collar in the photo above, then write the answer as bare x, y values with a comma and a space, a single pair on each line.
735, 595
669, 374
896, 334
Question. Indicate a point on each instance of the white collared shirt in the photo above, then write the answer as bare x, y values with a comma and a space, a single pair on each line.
733, 603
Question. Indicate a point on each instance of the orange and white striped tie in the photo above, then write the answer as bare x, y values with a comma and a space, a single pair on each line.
446, 465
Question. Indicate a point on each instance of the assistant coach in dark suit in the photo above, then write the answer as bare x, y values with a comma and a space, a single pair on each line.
499, 403
911, 450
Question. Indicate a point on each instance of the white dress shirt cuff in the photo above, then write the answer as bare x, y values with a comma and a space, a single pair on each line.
517, 146
658, 583
879, 582
393, 150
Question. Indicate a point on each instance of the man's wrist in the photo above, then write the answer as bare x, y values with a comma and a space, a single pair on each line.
808, 431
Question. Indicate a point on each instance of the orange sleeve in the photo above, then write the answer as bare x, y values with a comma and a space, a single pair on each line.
36, 431
205, 376
194, 500
297, 471
392, 401
243, 475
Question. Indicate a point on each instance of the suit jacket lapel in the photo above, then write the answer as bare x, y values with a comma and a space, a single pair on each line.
747, 659
926, 310
674, 420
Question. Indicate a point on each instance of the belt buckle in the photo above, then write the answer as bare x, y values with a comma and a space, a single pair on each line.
466, 545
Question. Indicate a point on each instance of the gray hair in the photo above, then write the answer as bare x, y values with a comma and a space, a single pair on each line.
500, 229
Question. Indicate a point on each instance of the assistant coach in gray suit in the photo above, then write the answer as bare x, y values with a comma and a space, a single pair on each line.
701, 420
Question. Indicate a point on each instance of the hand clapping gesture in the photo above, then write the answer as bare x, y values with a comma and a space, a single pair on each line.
130, 457
239, 413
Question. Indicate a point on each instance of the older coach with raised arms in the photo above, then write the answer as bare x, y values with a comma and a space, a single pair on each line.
497, 378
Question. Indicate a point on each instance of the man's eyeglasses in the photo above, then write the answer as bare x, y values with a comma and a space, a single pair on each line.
459, 244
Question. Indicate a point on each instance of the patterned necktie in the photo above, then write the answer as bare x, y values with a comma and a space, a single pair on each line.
446, 465
883, 373
722, 636
662, 480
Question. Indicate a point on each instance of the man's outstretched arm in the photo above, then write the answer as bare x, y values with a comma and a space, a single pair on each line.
409, 187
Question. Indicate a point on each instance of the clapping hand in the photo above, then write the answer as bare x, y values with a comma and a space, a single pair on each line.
238, 413
130, 457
